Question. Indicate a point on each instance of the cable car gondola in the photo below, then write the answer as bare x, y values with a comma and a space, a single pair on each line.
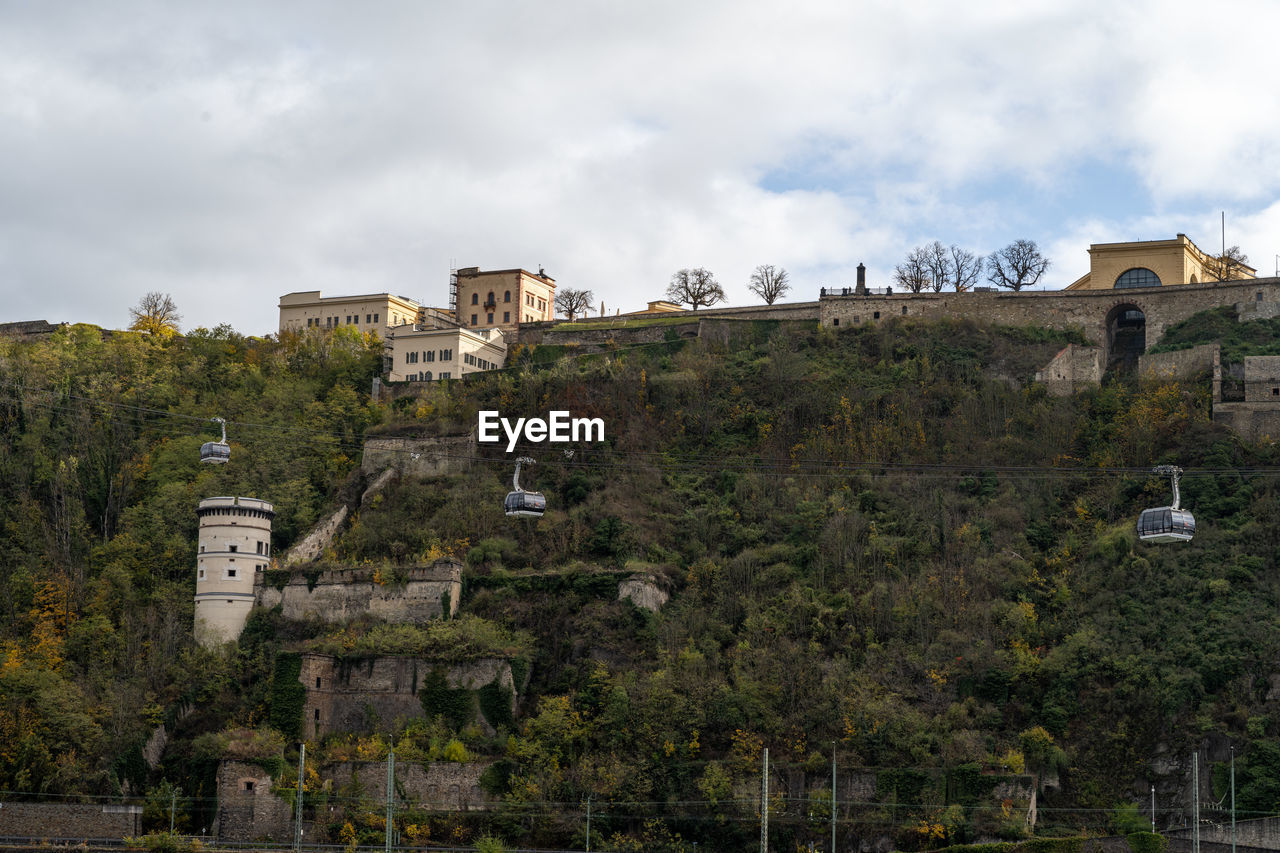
520, 502
1167, 523
216, 452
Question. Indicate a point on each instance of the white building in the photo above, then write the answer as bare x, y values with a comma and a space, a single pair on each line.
419, 354
235, 544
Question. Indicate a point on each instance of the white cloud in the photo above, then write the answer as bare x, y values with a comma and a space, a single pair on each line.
230, 155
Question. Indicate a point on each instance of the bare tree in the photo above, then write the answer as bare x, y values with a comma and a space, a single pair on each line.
156, 314
965, 267
1017, 265
695, 286
1229, 266
913, 273
769, 283
571, 302
938, 265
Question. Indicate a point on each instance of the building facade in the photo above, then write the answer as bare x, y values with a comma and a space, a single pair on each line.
504, 299
376, 312
1153, 263
235, 544
418, 354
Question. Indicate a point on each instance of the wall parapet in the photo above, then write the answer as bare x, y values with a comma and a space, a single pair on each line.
414, 594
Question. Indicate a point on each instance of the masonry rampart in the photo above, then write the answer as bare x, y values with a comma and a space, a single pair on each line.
377, 692
1180, 364
69, 821
428, 456
414, 595
249, 811
1087, 310
1074, 368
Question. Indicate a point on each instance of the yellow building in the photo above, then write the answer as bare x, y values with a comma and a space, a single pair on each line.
504, 299
376, 312
1153, 263
422, 354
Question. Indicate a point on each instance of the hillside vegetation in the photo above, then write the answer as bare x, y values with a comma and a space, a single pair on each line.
887, 540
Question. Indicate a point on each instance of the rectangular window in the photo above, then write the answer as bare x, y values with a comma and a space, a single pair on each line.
368, 318
490, 320
231, 573
835, 322
876, 315
375, 318
506, 316
444, 375
473, 319
233, 548
202, 574
317, 715
317, 682
248, 786
259, 547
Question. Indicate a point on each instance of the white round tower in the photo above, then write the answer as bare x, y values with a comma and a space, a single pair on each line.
235, 544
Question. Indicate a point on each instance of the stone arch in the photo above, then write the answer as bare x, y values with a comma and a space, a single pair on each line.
1126, 335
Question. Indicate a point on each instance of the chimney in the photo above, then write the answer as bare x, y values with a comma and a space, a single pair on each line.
862, 280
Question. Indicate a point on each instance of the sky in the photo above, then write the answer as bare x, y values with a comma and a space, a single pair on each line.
229, 153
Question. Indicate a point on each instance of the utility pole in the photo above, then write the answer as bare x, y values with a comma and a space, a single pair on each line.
1233, 799
173, 803
1153, 809
297, 820
764, 804
391, 791
833, 797
1195, 803
588, 825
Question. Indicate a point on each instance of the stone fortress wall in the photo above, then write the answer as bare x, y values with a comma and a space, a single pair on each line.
418, 594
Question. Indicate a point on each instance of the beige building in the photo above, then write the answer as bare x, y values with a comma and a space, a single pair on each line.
1153, 263
235, 544
504, 298
376, 312
422, 354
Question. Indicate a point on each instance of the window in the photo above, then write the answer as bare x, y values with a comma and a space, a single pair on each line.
1137, 277
426, 376
506, 297
368, 318
375, 318
835, 322
230, 575
490, 320
904, 310
506, 316
473, 319
259, 547
475, 299
201, 549
429, 355
444, 375
446, 355
201, 575
248, 786
233, 548
1275, 392
317, 715
488, 300
317, 682
876, 315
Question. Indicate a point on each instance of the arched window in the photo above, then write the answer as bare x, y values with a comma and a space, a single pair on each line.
489, 300
1137, 277
427, 375
1194, 279
475, 299
506, 297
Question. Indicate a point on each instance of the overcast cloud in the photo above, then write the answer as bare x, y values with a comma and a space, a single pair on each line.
229, 153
